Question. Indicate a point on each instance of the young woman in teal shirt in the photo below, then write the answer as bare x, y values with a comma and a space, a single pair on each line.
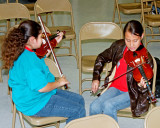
34, 89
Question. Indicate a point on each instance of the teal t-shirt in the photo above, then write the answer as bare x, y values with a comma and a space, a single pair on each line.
28, 75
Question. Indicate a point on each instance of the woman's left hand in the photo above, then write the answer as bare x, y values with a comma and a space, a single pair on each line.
142, 83
59, 37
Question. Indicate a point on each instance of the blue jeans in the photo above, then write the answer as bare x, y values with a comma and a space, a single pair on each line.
64, 104
110, 102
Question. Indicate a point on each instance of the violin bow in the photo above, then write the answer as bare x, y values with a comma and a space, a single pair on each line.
54, 56
104, 86
152, 97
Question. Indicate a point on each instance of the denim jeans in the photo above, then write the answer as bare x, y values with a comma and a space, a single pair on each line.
64, 104
110, 102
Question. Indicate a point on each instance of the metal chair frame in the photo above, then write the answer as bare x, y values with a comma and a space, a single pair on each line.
49, 9
93, 31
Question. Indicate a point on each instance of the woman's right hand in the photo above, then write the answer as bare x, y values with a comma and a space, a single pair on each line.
62, 81
53, 85
95, 86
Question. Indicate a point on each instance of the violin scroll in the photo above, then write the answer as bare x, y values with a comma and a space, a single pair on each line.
51, 37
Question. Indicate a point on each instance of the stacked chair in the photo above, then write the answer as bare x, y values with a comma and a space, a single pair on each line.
131, 8
125, 8
151, 21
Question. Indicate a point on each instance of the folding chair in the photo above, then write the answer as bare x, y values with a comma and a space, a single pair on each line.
152, 118
30, 7
9, 12
95, 121
90, 32
150, 20
127, 8
39, 122
127, 111
50, 10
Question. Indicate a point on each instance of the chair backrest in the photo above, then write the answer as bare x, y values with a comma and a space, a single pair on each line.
152, 118
95, 121
45, 6
30, 6
52, 67
11, 11
154, 75
99, 30
52, 5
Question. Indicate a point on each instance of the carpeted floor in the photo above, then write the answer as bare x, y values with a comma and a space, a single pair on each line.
84, 11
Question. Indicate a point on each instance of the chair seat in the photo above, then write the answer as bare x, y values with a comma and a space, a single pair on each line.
29, 6
88, 63
152, 20
70, 34
126, 109
38, 121
127, 113
132, 8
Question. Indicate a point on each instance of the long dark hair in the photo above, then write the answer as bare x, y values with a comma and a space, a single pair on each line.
16, 39
135, 27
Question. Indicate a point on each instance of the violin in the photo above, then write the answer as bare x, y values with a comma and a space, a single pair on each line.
50, 47
42, 51
138, 60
